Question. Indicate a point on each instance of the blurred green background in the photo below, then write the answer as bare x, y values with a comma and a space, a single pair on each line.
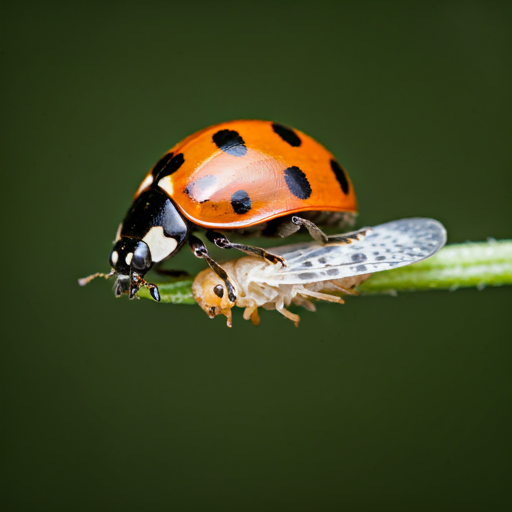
381, 404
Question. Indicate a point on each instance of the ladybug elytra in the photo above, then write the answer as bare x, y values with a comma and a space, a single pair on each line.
246, 177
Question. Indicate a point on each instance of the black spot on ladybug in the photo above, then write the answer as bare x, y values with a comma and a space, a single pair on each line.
230, 142
332, 272
297, 182
161, 164
200, 190
307, 275
341, 176
241, 202
361, 268
307, 264
171, 166
322, 260
358, 257
287, 134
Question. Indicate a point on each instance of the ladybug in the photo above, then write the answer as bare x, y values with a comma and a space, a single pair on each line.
246, 177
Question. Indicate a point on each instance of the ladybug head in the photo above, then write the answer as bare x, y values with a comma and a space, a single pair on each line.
130, 259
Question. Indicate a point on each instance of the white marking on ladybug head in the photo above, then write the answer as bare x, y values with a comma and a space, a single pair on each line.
128, 258
146, 183
161, 246
114, 256
166, 185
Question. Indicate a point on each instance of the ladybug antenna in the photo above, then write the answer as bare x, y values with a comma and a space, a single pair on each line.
84, 280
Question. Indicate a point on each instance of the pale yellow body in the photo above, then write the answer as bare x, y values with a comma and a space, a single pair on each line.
254, 293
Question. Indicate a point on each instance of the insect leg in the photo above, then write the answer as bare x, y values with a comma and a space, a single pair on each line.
322, 296
313, 229
322, 238
353, 236
280, 227
221, 241
251, 313
343, 289
305, 303
153, 290
294, 318
200, 251
136, 282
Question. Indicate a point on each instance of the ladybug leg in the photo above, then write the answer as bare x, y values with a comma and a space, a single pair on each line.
353, 236
322, 238
200, 251
313, 229
221, 241
280, 227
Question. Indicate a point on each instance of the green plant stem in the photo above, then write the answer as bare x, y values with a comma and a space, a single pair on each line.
177, 292
456, 266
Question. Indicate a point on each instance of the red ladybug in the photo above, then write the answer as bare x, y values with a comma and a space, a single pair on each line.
241, 176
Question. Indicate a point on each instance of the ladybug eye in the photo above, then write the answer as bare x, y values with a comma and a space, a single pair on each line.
141, 257
219, 291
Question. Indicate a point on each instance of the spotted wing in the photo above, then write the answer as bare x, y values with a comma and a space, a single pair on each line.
391, 245
242, 173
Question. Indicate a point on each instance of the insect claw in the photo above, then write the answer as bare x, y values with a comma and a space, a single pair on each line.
275, 259
153, 290
291, 316
133, 291
255, 317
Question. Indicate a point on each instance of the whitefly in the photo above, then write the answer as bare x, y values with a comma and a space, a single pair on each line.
315, 271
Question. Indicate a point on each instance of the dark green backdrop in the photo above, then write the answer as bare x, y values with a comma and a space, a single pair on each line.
382, 404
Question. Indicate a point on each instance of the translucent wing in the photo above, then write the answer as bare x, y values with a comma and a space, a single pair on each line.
391, 245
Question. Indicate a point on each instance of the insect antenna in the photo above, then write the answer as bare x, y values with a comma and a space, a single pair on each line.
84, 280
